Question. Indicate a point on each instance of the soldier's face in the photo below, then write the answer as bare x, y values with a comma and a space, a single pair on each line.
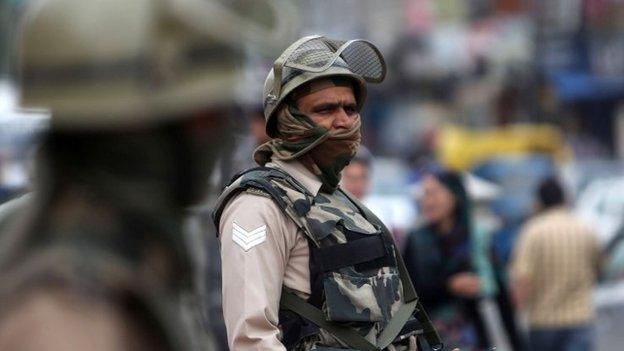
331, 108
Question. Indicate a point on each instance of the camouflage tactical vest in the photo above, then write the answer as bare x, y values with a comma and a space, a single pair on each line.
354, 272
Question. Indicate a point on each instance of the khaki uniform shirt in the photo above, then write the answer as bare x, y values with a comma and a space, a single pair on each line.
262, 250
558, 254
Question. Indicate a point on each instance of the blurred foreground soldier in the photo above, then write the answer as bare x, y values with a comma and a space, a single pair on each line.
137, 92
554, 271
10, 211
305, 265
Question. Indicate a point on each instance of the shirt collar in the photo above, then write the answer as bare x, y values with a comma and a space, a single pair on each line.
298, 171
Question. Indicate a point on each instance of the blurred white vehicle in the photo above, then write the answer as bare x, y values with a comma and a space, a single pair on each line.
389, 196
601, 204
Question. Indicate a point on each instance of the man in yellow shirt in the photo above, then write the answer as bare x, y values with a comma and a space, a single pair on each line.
554, 271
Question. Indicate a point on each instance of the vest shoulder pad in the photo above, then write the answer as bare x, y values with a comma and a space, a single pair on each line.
256, 181
258, 192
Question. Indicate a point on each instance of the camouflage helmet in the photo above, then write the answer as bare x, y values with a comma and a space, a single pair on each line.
112, 63
314, 57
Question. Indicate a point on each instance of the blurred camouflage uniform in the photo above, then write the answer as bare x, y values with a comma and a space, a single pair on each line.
139, 92
10, 210
287, 223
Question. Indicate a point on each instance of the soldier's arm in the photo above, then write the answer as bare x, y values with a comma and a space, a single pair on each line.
255, 244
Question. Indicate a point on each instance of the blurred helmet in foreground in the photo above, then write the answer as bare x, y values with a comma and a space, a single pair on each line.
101, 64
315, 57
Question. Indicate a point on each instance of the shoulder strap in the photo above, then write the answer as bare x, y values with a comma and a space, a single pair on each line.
232, 188
260, 178
294, 303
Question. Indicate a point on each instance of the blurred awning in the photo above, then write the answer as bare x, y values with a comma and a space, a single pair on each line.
461, 148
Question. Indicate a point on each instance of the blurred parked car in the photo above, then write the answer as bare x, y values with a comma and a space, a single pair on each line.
601, 204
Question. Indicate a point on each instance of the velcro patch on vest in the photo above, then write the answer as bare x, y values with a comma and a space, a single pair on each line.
255, 191
248, 239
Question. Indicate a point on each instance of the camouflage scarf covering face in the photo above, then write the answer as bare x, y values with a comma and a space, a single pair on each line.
325, 153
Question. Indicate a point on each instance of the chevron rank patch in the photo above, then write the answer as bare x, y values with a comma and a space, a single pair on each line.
248, 239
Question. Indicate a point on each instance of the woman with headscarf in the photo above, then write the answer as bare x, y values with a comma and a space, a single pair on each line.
443, 261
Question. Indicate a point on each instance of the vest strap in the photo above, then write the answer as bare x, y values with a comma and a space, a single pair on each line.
394, 327
294, 303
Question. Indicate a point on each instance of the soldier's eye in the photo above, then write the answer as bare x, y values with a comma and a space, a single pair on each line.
325, 109
350, 109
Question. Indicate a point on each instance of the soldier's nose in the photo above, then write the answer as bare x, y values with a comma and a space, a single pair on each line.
342, 120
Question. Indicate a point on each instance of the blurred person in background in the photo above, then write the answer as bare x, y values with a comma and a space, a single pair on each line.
97, 259
356, 176
357, 179
305, 265
554, 269
448, 262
